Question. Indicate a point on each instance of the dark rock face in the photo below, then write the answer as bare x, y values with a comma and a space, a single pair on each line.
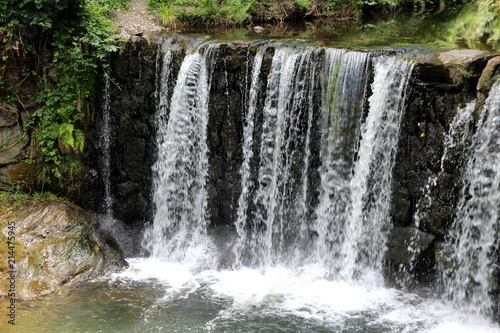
132, 133
225, 132
441, 84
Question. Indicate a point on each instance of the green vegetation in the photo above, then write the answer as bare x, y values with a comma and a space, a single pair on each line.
477, 23
9, 201
237, 12
51, 52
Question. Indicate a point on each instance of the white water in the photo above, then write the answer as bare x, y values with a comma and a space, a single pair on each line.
248, 132
368, 222
282, 300
278, 193
283, 280
342, 108
105, 160
179, 226
474, 236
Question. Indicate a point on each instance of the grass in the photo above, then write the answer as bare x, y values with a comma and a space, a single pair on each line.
10, 201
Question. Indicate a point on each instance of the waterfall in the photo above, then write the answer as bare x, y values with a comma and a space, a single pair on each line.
473, 240
286, 225
178, 232
310, 93
370, 187
278, 221
108, 223
105, 159
245, 171
342, 109
278, 230
278, 194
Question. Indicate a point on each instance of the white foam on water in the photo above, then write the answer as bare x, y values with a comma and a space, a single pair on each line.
280, 292
171, 274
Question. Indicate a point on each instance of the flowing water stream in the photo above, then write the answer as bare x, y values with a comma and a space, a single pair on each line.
306, 255
473, 243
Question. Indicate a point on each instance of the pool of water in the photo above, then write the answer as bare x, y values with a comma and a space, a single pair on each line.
422, 32
157, 296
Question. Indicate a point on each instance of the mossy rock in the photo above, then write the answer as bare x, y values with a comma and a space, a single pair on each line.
57, 243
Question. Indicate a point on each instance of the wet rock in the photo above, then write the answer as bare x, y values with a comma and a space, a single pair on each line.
406, 249
56, 243
489, 75
132, 132
406, 244
225, 132
425, 186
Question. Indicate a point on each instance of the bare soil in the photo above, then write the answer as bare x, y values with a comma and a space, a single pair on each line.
137, 19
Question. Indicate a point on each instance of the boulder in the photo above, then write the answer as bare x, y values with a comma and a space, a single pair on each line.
49, 243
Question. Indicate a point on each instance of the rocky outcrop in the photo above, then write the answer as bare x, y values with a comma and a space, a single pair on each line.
132, 135
49, 243
13, 141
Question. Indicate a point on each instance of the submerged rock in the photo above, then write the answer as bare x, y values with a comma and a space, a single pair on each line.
49, 243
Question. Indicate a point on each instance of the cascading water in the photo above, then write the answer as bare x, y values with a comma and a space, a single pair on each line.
313, 213
367, 224
107, 222
280, 222
179, 227
248, 132
342, 110
105, 148
278, 193
473, 241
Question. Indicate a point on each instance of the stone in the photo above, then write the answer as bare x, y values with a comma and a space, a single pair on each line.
488, 73
8, 115
132, 133
12, 142
56, 243
5, 179
406, 244
461, 57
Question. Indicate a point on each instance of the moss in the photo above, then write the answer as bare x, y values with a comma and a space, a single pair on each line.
31, 178
34, 261
38, 286
9, 201
95, 250
26, 176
